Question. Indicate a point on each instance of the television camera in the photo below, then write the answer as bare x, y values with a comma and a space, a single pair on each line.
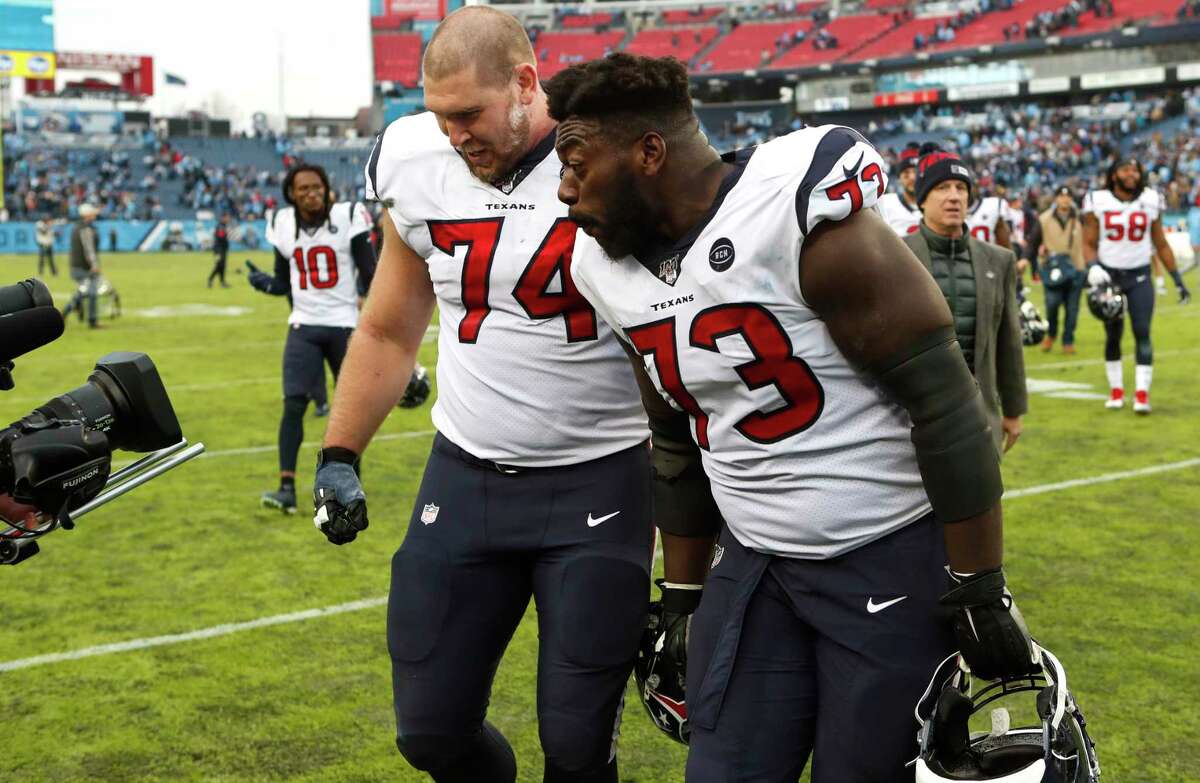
58, 458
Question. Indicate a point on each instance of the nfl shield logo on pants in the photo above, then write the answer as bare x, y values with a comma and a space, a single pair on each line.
429, 513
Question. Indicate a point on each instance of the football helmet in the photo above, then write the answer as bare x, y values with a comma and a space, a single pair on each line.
661, 678
1033, 326
1058, 750
1106, 302
418, 388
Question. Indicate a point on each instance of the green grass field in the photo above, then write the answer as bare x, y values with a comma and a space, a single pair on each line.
1106, 573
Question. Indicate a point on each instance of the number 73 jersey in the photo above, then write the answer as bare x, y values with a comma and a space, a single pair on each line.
526, 374
1124, 226
806, 458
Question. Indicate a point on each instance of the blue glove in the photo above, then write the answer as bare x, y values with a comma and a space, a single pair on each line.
341, 504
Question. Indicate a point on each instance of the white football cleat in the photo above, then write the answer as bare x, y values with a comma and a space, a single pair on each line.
1141, 402
1116, 400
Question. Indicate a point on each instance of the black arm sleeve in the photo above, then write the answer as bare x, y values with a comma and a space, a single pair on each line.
683, 500
1034, 241
364, 260
956, 455
282, 282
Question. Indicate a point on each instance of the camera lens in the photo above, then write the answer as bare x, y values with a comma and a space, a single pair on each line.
125, 398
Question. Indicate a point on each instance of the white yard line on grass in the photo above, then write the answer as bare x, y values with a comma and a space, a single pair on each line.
1035, 366
192, 636
370, 603
1101, 479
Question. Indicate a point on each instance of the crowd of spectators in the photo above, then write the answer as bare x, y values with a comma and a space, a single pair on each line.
54, 182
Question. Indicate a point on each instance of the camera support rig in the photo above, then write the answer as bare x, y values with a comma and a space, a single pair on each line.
19, 543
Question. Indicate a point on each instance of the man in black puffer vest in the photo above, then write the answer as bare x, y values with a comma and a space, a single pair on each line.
979, 281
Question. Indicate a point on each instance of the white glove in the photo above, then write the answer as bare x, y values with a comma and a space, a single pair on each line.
1097, 276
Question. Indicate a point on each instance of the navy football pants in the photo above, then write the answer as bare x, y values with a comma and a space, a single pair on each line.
305, 353
790, 657
480, 543
1139, 296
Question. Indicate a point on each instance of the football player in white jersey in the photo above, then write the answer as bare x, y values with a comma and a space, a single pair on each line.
1122, 228
323, 262
900, 208
988, 221
797, 341
538, 483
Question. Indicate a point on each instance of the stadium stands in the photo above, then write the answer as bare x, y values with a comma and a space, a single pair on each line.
752, 45
683, 43
898, 41
397, 57
580, 21
850, 32
557, 50
678, 16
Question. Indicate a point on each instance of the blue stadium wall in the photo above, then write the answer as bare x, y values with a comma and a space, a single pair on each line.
140, 235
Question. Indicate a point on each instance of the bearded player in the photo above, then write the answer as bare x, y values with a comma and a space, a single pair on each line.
323, 260
539, 478
797, 341
900, 208
1122, 228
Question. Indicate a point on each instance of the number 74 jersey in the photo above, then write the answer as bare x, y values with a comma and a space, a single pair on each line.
1124, 226
806, 458
526, 374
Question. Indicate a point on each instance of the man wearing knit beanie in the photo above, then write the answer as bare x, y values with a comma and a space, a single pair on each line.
900, 209
979, 281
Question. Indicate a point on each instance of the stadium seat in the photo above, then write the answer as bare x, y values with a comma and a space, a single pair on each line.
742, 48
851, 32
558, 50
397, 57
683, 43
580, 21
897, 42
683, 16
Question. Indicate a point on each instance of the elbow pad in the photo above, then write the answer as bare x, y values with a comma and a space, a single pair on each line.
683, 501
956, 454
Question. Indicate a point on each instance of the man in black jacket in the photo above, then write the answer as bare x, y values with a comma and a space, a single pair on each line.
221, 248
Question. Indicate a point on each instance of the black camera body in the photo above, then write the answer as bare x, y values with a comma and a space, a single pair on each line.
59, 457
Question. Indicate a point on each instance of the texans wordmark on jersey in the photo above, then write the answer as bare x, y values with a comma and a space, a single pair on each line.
783, 420
526, 374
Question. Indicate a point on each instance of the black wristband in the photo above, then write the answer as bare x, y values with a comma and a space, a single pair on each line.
1177, 278
337, 454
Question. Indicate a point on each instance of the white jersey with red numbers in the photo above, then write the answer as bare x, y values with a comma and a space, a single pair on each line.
527, 375
1124, 226
982, 219
323, 274
1016, 224
903, 219
806, 456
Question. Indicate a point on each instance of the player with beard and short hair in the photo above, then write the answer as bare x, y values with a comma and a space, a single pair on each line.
323, 263
538, 483
1122, 227
900, 208
799, 352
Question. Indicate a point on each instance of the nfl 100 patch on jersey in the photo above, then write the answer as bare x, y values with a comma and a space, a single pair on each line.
792, 438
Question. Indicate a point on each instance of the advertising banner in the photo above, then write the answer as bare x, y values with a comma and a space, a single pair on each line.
16, 64
31, 119
124, 236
